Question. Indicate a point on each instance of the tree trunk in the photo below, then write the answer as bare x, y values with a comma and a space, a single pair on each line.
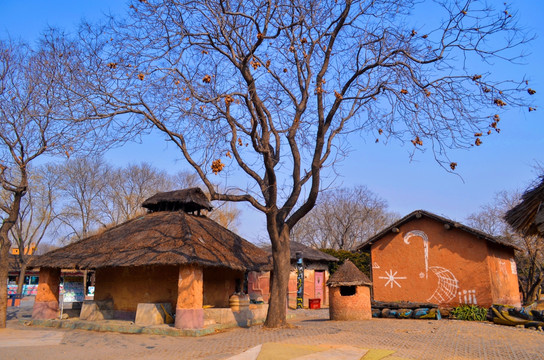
22, 272
4, 268
279, 280
533, 291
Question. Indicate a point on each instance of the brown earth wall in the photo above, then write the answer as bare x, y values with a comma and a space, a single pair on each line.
503, 276
48, 286
457, 269
219, 285
259, 285
129, 286
354, 307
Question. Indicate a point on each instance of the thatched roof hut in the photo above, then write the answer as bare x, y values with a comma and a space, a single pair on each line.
308, 253
528, 216
188, 200
160, 238
348, 275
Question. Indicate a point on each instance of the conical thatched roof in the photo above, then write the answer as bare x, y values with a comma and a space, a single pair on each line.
160, 238
188, 200
348, 275
528, 216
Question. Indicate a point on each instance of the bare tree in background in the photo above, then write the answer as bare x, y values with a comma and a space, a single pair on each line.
258, 94
126, 189
342, 219
83, 180
36, 119
530, 258
35, 218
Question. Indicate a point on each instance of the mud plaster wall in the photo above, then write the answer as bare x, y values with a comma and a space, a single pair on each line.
457, 269
354, 307
48, 286
309, 288
129, 286
503, 275
259, 285
219, 285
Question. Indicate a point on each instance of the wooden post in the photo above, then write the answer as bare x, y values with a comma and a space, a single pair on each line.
189, 311
46, 305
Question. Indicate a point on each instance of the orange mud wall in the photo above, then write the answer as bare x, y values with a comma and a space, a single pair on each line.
350, 307
504, 276
219, 285
259, 285
129, 286
425, 262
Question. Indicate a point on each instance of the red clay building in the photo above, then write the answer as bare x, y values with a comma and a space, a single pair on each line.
316, 274
424, 257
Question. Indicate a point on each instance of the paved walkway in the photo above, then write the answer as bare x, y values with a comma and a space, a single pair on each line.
311, 335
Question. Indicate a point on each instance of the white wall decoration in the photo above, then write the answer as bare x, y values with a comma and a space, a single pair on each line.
468, 297
422, 235
375, 265
513, 266
447, 285
392, 278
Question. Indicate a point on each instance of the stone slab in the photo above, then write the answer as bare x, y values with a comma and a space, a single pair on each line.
152, 313
96, 310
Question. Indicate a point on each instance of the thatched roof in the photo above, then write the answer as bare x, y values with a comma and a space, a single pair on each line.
447, 222
348, 275
160, 238
188, 200
13, 263
528, 216
308, 254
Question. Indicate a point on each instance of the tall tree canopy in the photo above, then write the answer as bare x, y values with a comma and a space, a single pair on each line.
260, 93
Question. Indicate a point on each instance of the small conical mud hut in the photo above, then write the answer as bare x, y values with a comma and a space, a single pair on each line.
349, 294
171, 255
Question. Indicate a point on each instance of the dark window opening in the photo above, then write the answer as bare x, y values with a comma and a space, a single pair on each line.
347, 290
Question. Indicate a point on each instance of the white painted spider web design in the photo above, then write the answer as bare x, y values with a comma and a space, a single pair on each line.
447, 285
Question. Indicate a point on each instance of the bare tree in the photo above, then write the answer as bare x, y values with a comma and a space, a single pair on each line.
530, 258
259, 93
35, 218
126, 189
342, 219
35, 120
82, 182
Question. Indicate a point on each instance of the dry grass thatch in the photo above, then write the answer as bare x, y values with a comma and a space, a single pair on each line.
160, 238
348, 275
14, 265
188, 200
308, 254
447, 222
528, 216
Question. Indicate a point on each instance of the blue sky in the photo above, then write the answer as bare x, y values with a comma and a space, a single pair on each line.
503, 162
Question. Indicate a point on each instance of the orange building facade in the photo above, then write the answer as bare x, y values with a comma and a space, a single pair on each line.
427, 258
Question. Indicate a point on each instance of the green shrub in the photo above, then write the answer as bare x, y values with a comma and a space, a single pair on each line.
469, 313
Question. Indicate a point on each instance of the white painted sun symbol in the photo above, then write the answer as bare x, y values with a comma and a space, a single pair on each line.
392, 278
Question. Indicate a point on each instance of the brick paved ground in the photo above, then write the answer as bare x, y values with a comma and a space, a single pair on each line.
414, 339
